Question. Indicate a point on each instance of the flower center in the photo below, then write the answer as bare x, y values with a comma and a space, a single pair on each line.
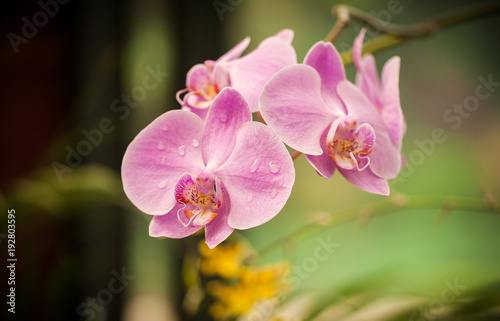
202, 197
351, 144
209, 92
341, 145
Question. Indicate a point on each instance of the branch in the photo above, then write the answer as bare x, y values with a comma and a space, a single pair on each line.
396, 33
364, 213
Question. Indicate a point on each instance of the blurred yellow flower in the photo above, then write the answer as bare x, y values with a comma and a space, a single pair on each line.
225, 260
254, 284
242, 286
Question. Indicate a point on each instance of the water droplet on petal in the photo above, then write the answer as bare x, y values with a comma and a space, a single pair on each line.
196, 142
250, 198
274, 168
162, 184
223, 118
163, 126
255, 165
182, 150
161, 146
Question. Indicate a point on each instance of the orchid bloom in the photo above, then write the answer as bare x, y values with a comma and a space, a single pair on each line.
315, 110
385, 96
222, 174
248, 74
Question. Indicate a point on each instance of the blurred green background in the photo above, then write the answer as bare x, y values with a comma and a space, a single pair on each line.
73, 232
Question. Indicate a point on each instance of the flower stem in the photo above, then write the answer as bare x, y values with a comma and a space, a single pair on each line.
261, 119
363, 213
295, 154
396, 33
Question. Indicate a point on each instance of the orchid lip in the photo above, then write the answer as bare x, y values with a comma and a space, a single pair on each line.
201, 195
351, 144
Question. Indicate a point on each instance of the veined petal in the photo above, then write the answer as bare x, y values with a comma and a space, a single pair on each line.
385, 158
292, 106
323, 163
221, 76
168, 225
357, 49
228, 112
391, 109
186, 190
367, 75
157, 157
364, 138
366, 180
250, 73
369, 82
258, 176
218, 230
327, 61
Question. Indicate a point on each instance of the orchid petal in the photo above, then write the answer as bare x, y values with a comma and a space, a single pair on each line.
323, 163
221, 76
327, 61
357, 48
292, 106
168, 225
285, 34
391, 110
367, 76
364, 137
385, 158
228, 112
158, 156
198, 78
218, 230
366, 180
368, 81
186, 190
250, 73
258, 176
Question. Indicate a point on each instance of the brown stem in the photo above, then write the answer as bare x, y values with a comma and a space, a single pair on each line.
259, 115
342, 13
396, 33
295, 154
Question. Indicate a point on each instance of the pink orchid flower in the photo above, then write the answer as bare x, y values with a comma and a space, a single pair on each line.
248, 74
315, 110
222, 174
384, 96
